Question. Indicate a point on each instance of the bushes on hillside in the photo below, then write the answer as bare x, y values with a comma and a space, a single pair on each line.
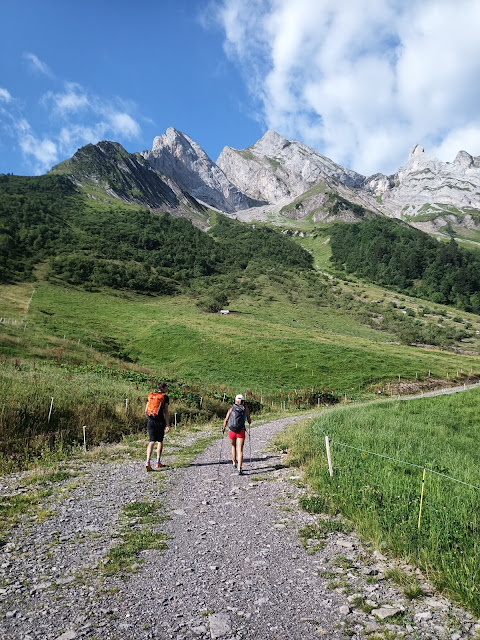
409, 260
46, 218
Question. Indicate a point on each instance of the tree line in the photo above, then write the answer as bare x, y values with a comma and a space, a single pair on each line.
397, 255
46, 219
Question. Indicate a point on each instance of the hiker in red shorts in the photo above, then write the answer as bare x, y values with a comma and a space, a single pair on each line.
235, 418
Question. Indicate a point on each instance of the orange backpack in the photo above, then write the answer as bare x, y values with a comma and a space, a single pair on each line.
155, 403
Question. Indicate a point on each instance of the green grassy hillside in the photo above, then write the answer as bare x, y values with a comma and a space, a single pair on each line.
267, 342
381, 493
87, 285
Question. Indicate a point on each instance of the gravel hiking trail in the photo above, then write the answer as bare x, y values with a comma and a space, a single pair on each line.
235, 564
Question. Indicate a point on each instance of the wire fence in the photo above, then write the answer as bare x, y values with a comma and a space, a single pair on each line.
410, 464
397, 461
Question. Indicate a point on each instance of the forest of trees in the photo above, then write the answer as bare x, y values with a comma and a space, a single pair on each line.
396, 255
45, 219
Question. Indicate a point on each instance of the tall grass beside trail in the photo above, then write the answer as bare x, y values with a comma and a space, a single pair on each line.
382, 497
96, 401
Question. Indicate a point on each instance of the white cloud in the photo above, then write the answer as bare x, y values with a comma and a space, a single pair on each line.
88, 116
44, 152
72, 137
456, 140
124, 125
362, 81
5, 95
71, 100
75, 117
37, 64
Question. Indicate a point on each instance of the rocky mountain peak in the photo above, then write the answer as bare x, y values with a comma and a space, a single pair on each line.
283, 176
417, 150
122, 175
276, 169
427, 185
270, 143
175, 155
179, 145
464, 159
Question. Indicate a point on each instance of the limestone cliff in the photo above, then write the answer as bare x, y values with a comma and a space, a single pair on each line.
277, 178
177, 156
279, 170
425, 185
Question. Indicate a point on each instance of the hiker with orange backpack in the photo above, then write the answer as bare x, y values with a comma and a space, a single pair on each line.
236, 417
158, 422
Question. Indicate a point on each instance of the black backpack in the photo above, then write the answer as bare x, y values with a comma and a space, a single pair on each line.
236, 421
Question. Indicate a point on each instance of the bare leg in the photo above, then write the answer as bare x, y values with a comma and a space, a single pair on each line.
240, 443
159, 450
234, 458
149, 450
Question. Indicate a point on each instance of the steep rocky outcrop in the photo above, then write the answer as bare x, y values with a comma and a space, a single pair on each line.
107, 169
123, 175
279, 170
424, 183
177, 156
277, 178
300, 182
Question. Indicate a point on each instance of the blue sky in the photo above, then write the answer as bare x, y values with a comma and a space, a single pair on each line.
361, 81
117, 70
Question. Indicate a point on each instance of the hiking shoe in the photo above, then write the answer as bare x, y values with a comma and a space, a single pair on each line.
234, 465
240, 472
159, 465
148, 466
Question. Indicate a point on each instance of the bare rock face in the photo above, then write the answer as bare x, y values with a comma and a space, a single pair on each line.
278, 170
464, 159
277, 178
178, 157
425, 183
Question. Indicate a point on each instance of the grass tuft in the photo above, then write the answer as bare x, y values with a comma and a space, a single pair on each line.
124, 557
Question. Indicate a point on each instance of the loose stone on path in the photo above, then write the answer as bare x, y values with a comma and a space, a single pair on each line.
219, 625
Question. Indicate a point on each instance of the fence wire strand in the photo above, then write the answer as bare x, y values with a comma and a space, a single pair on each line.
410, 464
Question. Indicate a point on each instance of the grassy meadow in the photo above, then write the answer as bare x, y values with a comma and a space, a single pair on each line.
269, 343
110, 403
382, 496
286, 334
92, 350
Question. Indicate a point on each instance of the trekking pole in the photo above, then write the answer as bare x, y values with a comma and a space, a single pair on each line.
250, 442
220, 457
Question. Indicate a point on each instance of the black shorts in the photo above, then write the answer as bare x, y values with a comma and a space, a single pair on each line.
156, 430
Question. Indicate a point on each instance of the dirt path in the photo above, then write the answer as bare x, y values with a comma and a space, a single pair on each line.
235, 566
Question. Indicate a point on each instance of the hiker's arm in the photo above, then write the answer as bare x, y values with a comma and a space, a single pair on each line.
167, 417
146, 414
247, 413
225, 422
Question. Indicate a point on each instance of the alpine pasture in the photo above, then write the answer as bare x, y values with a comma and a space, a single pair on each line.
293, 336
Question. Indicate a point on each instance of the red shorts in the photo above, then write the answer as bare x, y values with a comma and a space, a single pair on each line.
233, 436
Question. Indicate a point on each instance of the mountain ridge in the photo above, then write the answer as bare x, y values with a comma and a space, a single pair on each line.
277, 179
177, 156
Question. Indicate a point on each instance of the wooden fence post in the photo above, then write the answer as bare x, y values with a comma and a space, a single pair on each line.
329, 457
421, 499
50, 412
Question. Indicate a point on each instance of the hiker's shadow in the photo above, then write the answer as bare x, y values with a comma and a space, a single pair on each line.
267, 468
